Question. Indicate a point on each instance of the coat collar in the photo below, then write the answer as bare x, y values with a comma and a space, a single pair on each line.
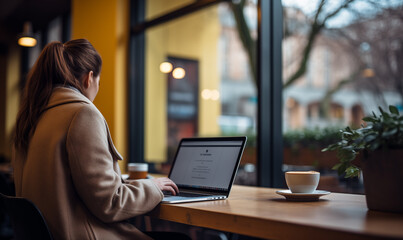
64, 95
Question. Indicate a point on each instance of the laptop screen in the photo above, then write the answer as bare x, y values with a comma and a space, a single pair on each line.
207, 163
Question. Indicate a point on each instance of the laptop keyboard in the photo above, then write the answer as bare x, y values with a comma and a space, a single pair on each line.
185, 194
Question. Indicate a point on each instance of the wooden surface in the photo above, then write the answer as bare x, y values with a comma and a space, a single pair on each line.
260, 212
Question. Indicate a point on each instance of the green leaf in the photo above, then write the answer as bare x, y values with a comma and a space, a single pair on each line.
373, 146
394, 110
336, 167
386, 115
389, 133
341, 169
370, 138
346, 154
369, 119
352, 171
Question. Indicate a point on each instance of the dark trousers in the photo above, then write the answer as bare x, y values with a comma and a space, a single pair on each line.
167, 235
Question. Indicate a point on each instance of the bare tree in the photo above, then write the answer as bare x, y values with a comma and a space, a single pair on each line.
376, 44
320, 19
378, 68
248, 42
322, 15
383, 53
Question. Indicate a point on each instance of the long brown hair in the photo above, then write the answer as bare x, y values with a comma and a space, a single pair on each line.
58, 64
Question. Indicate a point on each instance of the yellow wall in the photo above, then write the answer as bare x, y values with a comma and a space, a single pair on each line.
13, 91
11, 97
195, 37
3, 82
105, 24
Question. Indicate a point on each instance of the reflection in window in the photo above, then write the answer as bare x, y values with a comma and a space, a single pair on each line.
216, 93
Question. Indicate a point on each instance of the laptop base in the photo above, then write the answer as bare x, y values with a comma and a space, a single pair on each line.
181, 199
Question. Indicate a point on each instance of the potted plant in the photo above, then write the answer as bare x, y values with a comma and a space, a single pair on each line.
381, 144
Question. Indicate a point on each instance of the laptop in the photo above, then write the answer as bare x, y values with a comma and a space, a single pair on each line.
205, 168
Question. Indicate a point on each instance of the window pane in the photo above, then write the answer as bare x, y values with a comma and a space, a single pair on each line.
199, 83
340, 62
157, 8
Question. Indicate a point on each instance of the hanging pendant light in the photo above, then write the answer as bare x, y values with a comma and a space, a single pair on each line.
27, 39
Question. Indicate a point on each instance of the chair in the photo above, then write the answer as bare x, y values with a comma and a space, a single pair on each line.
26, 219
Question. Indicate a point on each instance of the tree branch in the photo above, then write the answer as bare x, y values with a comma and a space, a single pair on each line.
245, 36
316, 27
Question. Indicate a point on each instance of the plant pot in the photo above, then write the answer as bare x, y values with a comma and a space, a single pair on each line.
383, 178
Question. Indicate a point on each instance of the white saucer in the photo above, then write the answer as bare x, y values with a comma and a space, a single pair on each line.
302, 197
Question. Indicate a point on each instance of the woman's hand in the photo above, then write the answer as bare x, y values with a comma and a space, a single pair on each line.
166, 184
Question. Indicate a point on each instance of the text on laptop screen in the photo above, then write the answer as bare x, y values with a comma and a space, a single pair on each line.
206, 164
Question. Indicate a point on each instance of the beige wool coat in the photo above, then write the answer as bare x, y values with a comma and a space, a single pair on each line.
71, 173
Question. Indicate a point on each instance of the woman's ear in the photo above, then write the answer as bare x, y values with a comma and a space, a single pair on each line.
88, 79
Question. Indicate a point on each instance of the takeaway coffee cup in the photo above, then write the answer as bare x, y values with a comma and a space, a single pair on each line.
138, 170
302, 181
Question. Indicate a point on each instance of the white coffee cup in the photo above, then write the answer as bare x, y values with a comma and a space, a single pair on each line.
302, 181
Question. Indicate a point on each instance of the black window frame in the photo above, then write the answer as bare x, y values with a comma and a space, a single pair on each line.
269, 119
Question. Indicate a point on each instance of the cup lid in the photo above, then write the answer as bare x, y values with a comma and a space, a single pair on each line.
302, 172
138, 167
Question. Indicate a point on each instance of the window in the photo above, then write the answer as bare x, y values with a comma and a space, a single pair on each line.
228, 87
215, 94
340, 62
156, 8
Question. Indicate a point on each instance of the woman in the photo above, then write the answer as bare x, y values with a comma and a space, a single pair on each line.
64, 159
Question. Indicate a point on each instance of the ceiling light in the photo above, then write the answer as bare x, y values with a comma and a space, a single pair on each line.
27, 39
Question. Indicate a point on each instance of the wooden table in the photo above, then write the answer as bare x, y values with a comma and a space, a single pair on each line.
260, 212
